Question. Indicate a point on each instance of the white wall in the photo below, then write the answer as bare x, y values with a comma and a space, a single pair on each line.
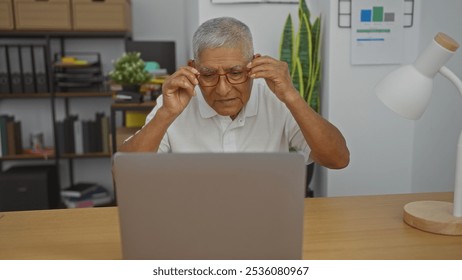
162, 20
390, 154
437, 132
265, 21
380, 142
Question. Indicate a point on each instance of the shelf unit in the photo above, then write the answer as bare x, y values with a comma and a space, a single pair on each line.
123, 107
47, 37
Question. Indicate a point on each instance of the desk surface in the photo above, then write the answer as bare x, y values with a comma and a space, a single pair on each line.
357, 227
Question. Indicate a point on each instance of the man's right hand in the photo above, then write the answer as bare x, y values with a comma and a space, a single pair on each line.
178, 89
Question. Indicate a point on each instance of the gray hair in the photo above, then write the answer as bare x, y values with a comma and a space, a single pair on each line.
223, 32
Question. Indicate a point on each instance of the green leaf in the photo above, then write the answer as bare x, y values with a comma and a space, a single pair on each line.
313, 86
286, 45
304, 52
297, 77
303, 10
316, 39
316, 96
315, 91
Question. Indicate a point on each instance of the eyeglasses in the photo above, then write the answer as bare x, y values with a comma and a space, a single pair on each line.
234, 77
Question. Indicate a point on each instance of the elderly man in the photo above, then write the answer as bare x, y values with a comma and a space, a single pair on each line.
229, 99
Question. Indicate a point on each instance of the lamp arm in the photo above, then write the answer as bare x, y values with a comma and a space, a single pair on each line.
451, 77
457, 210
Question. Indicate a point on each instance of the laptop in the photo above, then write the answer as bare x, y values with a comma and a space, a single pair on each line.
203, 206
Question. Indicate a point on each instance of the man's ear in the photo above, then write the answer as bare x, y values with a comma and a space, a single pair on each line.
191, 63
257, 55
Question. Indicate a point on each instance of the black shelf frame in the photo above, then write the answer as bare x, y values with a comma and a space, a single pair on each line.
48, 37
63, 34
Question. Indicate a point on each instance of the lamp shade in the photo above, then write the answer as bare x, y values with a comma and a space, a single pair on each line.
407, 90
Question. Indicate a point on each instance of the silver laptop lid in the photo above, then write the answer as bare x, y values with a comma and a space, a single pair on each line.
210, 206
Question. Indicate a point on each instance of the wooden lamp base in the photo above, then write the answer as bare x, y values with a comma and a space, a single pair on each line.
433, 216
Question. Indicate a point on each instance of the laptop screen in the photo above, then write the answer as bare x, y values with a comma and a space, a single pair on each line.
210, 206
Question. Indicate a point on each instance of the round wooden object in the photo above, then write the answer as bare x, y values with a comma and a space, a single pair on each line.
433, 216
446, 42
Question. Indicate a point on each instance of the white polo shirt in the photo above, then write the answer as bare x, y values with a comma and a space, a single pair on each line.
263, 125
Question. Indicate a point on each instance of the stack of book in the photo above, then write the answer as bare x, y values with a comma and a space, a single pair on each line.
83, 195
83, 136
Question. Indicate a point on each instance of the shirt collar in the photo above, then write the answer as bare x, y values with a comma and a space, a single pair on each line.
249, 110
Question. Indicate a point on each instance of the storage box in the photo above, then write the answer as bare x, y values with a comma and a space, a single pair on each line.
6, 15
31, 187
42, 15
101, 15
135, 119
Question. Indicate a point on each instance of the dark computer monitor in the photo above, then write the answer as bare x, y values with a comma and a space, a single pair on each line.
163, 52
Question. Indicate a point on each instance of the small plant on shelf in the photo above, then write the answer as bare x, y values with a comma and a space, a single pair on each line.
129, 70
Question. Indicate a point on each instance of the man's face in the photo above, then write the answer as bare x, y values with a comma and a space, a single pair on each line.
232, 91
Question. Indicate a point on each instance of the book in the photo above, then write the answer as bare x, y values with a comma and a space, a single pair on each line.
79, 189
10, 138
60, 132
65, 133
98, 132
4, 119
69, 145
105, 134
97, 197
1, 145
97, 192
18, 138
86, 137
14, 137
84, 203
78, 135
93, 137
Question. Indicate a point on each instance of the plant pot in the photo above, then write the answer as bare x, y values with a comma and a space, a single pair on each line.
131, 88
309, 176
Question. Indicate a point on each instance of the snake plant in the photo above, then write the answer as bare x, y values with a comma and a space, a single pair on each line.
302, 54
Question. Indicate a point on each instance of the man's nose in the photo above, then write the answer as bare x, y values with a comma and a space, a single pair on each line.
223, 86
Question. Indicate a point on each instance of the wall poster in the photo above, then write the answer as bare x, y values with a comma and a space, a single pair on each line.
377, 32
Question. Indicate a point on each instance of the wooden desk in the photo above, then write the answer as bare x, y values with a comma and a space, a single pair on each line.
372, 227
360, 227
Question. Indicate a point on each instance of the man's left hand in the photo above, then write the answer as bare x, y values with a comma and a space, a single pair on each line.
276, 74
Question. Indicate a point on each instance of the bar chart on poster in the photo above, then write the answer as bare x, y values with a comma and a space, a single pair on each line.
377, 32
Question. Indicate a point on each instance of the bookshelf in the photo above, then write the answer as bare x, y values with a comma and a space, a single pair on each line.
59, 100
66, 89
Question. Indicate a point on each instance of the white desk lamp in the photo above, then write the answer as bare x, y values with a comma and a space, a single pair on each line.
406, 91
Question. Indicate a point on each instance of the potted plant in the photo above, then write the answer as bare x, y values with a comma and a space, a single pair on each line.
301, 51
129, 72
303, 54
